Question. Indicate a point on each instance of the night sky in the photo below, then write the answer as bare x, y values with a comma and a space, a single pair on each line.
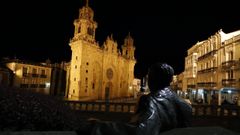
163, 30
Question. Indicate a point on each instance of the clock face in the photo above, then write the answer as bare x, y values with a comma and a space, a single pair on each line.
109, 73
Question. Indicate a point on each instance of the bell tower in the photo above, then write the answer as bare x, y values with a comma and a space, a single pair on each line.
85, 26
84, 35
128, 47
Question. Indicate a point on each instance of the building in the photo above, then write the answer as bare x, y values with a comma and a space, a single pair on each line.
99, 72
30, 76
190, 73
212, 67
6, 76
58, 79
136, 87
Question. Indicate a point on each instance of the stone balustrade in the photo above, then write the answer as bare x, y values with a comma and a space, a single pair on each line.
198, 110
216, 111
102, 106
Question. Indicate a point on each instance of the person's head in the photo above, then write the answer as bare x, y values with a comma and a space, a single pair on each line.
159, 76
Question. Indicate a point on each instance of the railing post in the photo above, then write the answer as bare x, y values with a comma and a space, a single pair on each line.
204, 110
107, 106
115, 107
129, 108
99, 107
80, 107
196, 110
222, 111
86, 107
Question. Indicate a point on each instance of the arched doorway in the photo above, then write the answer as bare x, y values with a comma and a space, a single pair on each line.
108, 91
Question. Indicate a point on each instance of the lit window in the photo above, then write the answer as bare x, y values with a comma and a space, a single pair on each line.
34, 71
24, 71
42, 72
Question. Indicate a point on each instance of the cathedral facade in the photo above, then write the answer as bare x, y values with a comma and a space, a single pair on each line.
99, 72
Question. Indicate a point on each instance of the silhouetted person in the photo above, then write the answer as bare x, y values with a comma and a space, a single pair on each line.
214, 100
162, 109
225, 102
158, 111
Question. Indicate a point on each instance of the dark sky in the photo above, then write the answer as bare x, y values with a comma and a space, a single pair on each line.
163, 30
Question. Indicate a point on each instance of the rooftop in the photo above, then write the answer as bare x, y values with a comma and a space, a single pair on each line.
227, 36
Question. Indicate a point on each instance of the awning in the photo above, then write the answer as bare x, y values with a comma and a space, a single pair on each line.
230, 90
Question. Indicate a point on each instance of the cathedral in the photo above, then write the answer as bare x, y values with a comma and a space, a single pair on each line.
99, 72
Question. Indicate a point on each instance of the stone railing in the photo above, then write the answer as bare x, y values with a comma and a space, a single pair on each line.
212, 69
216, 111
206, 84
197, 110
102, 106
231, 64
229, 82
209, 54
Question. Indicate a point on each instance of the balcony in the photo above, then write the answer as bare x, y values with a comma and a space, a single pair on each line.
211, 53
212, 69
24, 85
43, 76
26, 75
191, 86
42, 86
228, 82
33, 85
231, 64
206, 84
35, 75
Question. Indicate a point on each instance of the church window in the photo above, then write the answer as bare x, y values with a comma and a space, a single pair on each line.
75, 66
76, 57
90, 31
74, 79
79, 29
73, 91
